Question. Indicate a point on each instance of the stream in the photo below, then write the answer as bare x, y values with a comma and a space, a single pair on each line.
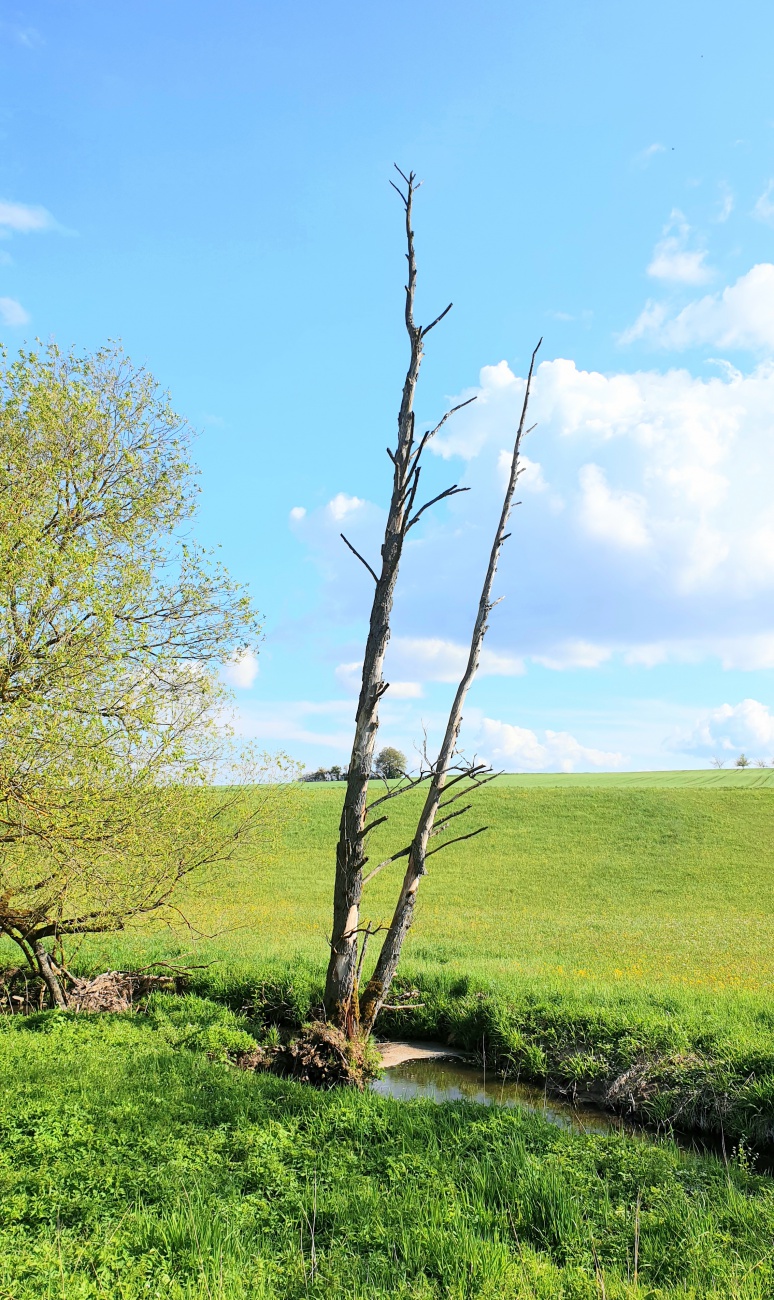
447, 1079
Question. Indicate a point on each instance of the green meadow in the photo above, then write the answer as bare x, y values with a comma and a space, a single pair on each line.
655, 881
606, 934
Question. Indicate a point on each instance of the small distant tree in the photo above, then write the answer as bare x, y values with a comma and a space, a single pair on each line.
389, 764
718, 762
112, 626
742, 761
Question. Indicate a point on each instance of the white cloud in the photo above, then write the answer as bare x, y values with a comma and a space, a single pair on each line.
664, 551
433, 659
242, 671
291, 722
764, 208
22, 219
297, 513
741, 316
518, 748
616, 517
575, 654
728, 729
406, 690
726, 205
12, 313
646, 156
343, 505
672, 258
530, 476
349, 676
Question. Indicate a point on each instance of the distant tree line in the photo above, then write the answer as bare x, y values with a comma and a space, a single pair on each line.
389, 765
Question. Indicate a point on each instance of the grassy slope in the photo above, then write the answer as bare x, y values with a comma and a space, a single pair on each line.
724, 778
132, 1166
648, 887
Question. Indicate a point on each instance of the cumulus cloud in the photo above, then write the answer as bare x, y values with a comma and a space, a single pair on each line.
672, 258
617, 517
741, 316
432, 659
530, 476
519, 749
241, 671
12, 313
663, 550
297, 513
343, 505
747, 726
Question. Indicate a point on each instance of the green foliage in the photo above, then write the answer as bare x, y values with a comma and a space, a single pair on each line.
132, 1165
112, 623
389, 763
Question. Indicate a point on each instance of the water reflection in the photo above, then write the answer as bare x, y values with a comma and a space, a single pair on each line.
448, 1080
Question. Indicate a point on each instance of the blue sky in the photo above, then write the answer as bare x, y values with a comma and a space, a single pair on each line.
210, 185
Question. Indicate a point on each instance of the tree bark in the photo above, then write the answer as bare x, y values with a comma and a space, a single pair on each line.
48, 974
341, 1001
378, 986
340, 995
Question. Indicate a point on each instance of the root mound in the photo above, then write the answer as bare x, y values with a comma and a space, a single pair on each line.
324, 1057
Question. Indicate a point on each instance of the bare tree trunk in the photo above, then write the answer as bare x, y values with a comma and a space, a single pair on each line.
378, 986
341, 1001
48, 974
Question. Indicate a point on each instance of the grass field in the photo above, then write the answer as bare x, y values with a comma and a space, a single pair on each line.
605, 929
668, 885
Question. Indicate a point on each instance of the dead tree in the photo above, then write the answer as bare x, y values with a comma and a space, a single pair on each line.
340, 988
445, 770
343, 1004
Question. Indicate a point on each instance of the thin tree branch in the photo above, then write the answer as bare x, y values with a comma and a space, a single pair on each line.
359, 556
437, 320
447, 843
450, 492
395, 857
367, 829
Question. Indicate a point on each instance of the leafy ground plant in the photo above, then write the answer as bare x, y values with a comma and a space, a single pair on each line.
133, 1164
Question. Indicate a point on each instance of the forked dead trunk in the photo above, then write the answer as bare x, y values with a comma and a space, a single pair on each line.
378, 986
341, 1000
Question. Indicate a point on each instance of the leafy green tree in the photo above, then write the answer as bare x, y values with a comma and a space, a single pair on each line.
112, 626
389, 763
742, 761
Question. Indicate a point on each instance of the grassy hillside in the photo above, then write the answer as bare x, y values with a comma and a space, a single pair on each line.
664, 886
732, 778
